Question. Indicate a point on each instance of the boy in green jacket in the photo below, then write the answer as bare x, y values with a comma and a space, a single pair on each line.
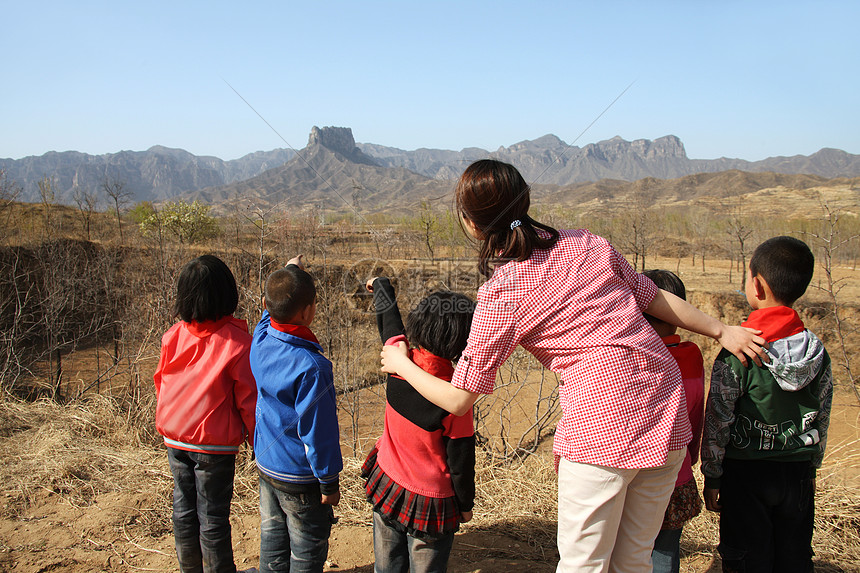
766, 426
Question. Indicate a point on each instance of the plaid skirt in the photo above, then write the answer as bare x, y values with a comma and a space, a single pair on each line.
419, 515
684, 505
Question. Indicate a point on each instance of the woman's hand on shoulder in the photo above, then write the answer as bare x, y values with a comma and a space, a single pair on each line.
743, 342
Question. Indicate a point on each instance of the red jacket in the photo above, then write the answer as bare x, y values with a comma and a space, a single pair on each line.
204, 385
692, 366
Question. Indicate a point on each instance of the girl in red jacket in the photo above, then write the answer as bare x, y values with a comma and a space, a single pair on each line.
420, 477
206, 400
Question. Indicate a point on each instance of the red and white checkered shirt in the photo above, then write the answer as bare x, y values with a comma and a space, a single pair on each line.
577, 307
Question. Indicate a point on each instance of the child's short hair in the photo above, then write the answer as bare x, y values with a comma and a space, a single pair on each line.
205, 290
289, 290
786, 264
440, 323
668, 281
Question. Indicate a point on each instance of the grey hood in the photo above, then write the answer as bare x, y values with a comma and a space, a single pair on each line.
795, 360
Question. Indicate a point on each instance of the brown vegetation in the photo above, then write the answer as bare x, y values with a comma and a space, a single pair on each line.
85, 478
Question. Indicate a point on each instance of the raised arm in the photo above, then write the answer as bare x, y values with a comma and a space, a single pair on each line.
388, 318
738, 340
457, 401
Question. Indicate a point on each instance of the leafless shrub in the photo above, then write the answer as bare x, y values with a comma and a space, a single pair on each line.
521, 413
830, 241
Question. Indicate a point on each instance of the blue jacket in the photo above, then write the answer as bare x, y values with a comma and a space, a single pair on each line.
297, 439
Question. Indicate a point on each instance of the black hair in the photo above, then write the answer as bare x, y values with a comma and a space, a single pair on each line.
440, 323
289, 290
495, 198
205, 290
667, 281
786, 264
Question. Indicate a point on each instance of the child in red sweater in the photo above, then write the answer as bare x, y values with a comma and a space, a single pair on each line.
685, 503
421, 474
206, 399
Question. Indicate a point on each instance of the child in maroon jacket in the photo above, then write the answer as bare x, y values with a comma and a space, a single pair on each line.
421, 474
685, 502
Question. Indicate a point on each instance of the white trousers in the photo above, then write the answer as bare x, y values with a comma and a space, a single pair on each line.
608, 517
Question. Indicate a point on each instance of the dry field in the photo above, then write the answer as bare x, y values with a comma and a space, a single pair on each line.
86, 485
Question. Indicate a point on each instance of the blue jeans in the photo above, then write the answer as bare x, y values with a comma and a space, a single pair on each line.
202, 490
395, 551
294, 531
666, 556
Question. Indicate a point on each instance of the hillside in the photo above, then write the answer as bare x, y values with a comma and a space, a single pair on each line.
161, 173
331, 173
766, 194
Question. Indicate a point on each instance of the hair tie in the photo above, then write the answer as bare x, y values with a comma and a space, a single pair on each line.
515, 223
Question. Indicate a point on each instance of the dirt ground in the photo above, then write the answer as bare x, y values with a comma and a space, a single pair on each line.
52, 527
118, 531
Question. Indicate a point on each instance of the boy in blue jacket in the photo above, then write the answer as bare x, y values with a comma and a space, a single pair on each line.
297, 440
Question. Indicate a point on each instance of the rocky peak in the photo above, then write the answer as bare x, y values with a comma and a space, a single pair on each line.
338, 139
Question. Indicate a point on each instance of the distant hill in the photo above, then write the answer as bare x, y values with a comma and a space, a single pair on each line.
335, 174
767, 193
549, 160
155, 174
331, 173
374, 174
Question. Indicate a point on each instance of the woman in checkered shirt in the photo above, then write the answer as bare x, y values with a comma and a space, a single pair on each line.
576, 304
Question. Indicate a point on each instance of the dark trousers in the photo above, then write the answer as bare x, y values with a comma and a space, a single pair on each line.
767, 516
294, 530
202, 490
396, 551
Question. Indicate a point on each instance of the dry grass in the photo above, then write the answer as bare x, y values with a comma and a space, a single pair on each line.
79, 451
83, 450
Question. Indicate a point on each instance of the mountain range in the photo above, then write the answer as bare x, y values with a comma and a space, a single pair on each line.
334, 170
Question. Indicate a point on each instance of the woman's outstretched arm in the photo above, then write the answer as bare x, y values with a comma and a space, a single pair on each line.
457, 401
738, 340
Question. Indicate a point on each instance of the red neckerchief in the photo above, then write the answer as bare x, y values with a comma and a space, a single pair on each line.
672, 340
432, 364
296, 330
207, 327
775, 322
426, 360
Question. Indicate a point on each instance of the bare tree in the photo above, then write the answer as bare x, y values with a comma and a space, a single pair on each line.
87, 202
120, 197
262, 220
427, 225
47, 195
9, 192
739, 229
638, 226
830, 241
700, 225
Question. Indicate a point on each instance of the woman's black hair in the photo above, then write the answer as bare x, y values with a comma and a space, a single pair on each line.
494, 197
440, 323
205, 290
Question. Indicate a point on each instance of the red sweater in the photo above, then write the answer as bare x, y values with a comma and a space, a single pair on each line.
420, 458
691, 363
423, 448
205, 389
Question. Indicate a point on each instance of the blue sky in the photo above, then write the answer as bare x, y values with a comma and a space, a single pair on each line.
734, 79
